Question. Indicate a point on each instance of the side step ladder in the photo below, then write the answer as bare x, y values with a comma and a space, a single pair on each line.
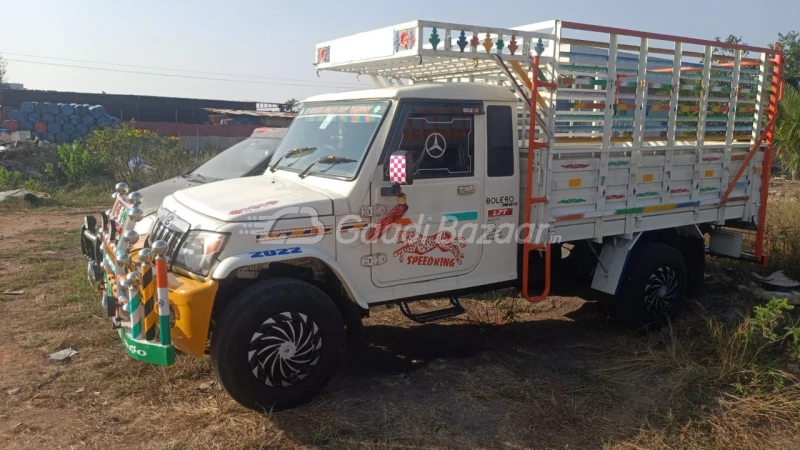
432, 316
530, 246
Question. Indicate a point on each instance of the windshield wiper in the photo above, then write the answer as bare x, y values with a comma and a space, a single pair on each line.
293, 151
330, 159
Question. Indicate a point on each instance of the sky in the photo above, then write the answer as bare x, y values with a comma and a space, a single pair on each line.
268, 46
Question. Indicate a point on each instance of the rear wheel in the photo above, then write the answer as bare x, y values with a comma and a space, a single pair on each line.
653, 288
277, 344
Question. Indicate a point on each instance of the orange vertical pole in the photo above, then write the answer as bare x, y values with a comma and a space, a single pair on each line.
777, 89
530, 200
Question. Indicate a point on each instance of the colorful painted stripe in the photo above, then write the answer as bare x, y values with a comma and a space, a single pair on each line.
652, 208
136, 313
111, 279
617, 139
569, 217
572, 201
149, 296
466, 215
353, 226
584, 105
164, 331
343, 118
581, 82
295, 233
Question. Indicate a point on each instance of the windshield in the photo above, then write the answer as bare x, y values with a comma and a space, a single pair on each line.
237, 160
340, 130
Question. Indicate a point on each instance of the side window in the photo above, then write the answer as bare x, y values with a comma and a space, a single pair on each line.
500, 137
440, 137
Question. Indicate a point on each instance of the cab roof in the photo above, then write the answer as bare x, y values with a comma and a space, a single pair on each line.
454, 91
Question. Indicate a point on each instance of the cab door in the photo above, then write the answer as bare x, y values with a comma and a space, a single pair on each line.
439, 235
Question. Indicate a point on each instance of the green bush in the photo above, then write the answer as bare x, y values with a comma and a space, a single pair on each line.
777, 327
78, 163
122, 154
9, 179
97, 162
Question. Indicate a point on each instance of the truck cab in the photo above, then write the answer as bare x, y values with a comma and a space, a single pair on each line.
482, 150
444, 129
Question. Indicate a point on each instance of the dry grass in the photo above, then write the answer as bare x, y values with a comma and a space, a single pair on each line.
507, 374
783, 231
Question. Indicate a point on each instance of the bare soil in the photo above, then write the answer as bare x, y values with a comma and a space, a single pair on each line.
508, 374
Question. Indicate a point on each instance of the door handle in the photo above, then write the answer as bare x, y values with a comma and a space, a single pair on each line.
466, 190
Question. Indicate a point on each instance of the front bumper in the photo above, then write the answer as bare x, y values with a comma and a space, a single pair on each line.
191, 302
146, 351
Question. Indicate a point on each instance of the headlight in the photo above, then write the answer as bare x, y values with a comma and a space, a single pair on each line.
144, 226
200, 251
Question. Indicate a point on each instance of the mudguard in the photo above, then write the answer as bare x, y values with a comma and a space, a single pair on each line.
285, 253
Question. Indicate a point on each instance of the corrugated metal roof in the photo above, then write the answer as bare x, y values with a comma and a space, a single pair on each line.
239, 112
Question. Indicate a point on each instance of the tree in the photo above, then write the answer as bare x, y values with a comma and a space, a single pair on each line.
290, 105
2, 72
787, 130
790, 42
731, 39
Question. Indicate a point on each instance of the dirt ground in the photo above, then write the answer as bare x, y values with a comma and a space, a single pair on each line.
506, 375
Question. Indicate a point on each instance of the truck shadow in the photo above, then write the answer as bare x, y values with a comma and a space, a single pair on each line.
546, 382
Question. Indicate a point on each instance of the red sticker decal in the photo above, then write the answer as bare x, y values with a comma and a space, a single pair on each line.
236, 212
501, 212
418, 244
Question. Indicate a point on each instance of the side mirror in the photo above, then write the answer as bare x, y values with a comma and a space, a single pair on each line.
401, 167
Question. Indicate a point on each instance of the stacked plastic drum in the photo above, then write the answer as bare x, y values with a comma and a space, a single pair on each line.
58, 122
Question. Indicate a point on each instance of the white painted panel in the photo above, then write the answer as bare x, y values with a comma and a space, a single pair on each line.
652, 161
363, 46
575, 164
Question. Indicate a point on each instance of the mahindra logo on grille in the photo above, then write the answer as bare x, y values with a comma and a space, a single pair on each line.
168, 220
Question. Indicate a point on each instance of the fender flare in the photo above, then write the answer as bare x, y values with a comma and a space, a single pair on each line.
228, 265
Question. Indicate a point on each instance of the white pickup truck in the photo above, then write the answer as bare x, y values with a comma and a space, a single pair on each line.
483, 152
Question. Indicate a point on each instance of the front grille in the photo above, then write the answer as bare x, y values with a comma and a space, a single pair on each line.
173, 238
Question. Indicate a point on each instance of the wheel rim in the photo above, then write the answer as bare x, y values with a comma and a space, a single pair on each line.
661, 290
285, 349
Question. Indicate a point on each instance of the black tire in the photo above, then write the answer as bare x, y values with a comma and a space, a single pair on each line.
277, 344
653, 288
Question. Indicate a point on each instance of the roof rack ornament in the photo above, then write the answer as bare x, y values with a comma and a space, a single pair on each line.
539, 47
434, 39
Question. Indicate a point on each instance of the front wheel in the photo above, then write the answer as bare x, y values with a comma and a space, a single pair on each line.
653, 287
277, 344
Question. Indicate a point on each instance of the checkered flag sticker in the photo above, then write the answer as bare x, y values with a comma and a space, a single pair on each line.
398, 167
